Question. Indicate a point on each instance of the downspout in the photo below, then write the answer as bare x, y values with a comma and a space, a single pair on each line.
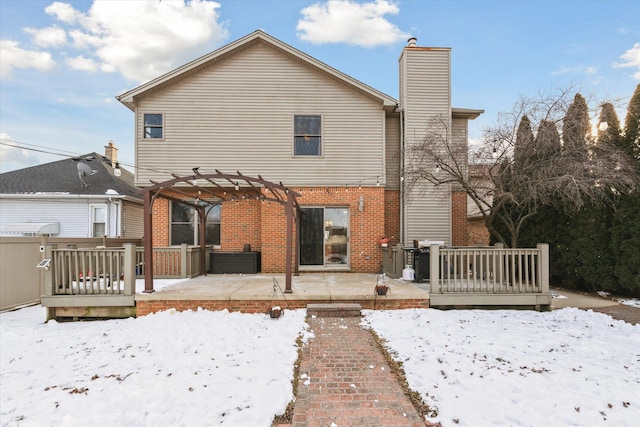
107, 232
402, 231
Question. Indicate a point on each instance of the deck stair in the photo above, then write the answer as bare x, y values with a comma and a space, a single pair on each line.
334, 310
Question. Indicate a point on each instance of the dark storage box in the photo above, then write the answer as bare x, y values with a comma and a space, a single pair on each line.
421, 264
234, 262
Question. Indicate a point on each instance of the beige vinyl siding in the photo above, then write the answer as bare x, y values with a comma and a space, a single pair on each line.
392, 152
132, 220
460, 139
237, 115
425, 83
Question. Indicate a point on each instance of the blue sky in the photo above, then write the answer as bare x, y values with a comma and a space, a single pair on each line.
62, 63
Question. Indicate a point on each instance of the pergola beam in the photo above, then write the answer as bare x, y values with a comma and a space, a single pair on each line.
281, 195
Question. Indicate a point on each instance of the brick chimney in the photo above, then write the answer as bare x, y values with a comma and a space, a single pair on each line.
111, 153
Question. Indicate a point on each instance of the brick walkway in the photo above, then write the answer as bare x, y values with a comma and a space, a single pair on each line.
345, 380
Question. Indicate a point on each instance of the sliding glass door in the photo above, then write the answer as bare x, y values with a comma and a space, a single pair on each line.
324, 237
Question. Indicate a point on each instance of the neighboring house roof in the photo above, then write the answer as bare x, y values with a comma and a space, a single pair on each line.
63, 178
129, 98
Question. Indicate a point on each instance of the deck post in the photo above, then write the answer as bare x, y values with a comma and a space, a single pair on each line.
289, 251
148, 244
203, 243
48, 280
183, 260
544, 267
129, 268
434, 269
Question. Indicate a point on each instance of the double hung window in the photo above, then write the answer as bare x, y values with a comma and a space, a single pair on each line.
98, 220
307, 135
153, 126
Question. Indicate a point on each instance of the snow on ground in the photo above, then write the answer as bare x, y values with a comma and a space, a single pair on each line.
568, 367
195, 368
634, 302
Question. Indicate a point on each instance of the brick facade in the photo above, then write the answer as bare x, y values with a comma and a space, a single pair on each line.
392, 216
145, 307
458, 218
263, 224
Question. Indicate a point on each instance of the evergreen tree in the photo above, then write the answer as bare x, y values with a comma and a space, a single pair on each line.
547, 142
576, 127
632, 125
524, 145
625, 241
625, 224
609, 126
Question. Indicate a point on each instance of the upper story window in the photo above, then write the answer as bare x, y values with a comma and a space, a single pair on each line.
153, 126
307, 135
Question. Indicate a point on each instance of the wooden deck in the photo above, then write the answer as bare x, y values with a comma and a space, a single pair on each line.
101, 282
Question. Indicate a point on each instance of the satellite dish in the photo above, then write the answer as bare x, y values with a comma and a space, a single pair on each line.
85, 170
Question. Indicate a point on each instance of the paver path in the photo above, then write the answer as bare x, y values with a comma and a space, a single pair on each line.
346, 381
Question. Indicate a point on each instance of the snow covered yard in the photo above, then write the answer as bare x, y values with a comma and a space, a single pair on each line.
168, 369
568, 367
476, 368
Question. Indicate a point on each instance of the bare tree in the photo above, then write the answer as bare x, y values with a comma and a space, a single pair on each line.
522, 172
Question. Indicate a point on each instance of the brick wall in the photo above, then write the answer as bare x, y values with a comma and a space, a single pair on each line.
458, 218
263, 224
240, 225
392, 215
160, 220
366, 226
146, 307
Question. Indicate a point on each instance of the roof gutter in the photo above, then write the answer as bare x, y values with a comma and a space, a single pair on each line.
28, 196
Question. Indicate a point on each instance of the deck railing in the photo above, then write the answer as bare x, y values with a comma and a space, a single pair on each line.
113, 271
490, 272
171, 262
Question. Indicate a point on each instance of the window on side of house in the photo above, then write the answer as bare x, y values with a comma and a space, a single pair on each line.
185, 225
153, 126
98, 220
307, 130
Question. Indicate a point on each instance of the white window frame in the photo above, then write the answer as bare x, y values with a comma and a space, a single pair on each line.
161, 126
92, 219
320, 136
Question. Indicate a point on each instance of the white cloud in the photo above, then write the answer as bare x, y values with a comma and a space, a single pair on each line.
139, 39
63, 12
82, 64
143, 40
48, 37
10, 153
16, 57
631, 59
345, 21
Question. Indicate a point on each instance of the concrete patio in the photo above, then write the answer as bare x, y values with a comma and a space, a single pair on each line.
256, 293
